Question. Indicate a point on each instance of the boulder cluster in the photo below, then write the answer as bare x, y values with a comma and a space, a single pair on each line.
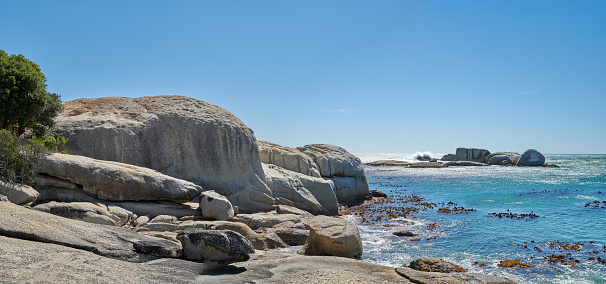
175, 177
481, 157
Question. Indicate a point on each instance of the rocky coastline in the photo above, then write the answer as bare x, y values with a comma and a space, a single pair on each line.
473, 157
173, 189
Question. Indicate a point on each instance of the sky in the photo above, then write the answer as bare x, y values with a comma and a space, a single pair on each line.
370, 76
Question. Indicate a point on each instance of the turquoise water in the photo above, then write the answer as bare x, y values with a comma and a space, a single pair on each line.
557, 195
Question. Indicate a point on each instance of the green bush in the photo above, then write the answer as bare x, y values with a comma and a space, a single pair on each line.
24, 101
18, 157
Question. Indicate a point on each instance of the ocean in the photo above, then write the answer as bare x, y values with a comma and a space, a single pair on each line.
550, 218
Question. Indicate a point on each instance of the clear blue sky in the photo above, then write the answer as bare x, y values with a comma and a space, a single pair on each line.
371, 76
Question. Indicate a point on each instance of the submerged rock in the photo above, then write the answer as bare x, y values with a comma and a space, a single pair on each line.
178, 136
433, 264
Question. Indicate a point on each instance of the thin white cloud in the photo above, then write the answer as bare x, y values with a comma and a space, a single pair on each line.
340, 110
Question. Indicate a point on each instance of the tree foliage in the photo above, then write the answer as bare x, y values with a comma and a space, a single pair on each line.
24, 100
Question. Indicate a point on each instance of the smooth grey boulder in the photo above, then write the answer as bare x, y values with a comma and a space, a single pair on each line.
18, 193
291, 236
500, 160
514, 156
312, 194
471, 154
179, 136
88, 212
332, 236
267, 220
110, 241
48, 181
288, 158
150, 209
448, 157
116, 181
164, 219
531, 157
215, 206
343, 168
217, 248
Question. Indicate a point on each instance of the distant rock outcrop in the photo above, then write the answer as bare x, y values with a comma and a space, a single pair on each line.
531, 157
471, 154
178, 136
448, 157
343, 168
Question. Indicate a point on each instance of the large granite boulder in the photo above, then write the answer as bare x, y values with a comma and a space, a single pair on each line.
18, 193
343, 168
111, 241
178, 136
500, 160
312, 194
471, 154
216, 248
89, 212
514, 156
332, 236
215, 206
268, 220
140, 208
288, 158
531, 157
448, 158
117, 181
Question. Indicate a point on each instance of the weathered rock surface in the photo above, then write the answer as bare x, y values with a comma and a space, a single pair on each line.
215, 247
424, 165
285, 209
471, 154
23, 261
448, 157
117, 181
312, 194
178, 136
267, 220
3, 198
159, 248
433, 264
514, 156
332, 236
343, 168
291, 236
88, 212
500, 160
215, 206
18, 193
110, 241
48, 181
465, 164
531, 157
288, 158
423, 277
